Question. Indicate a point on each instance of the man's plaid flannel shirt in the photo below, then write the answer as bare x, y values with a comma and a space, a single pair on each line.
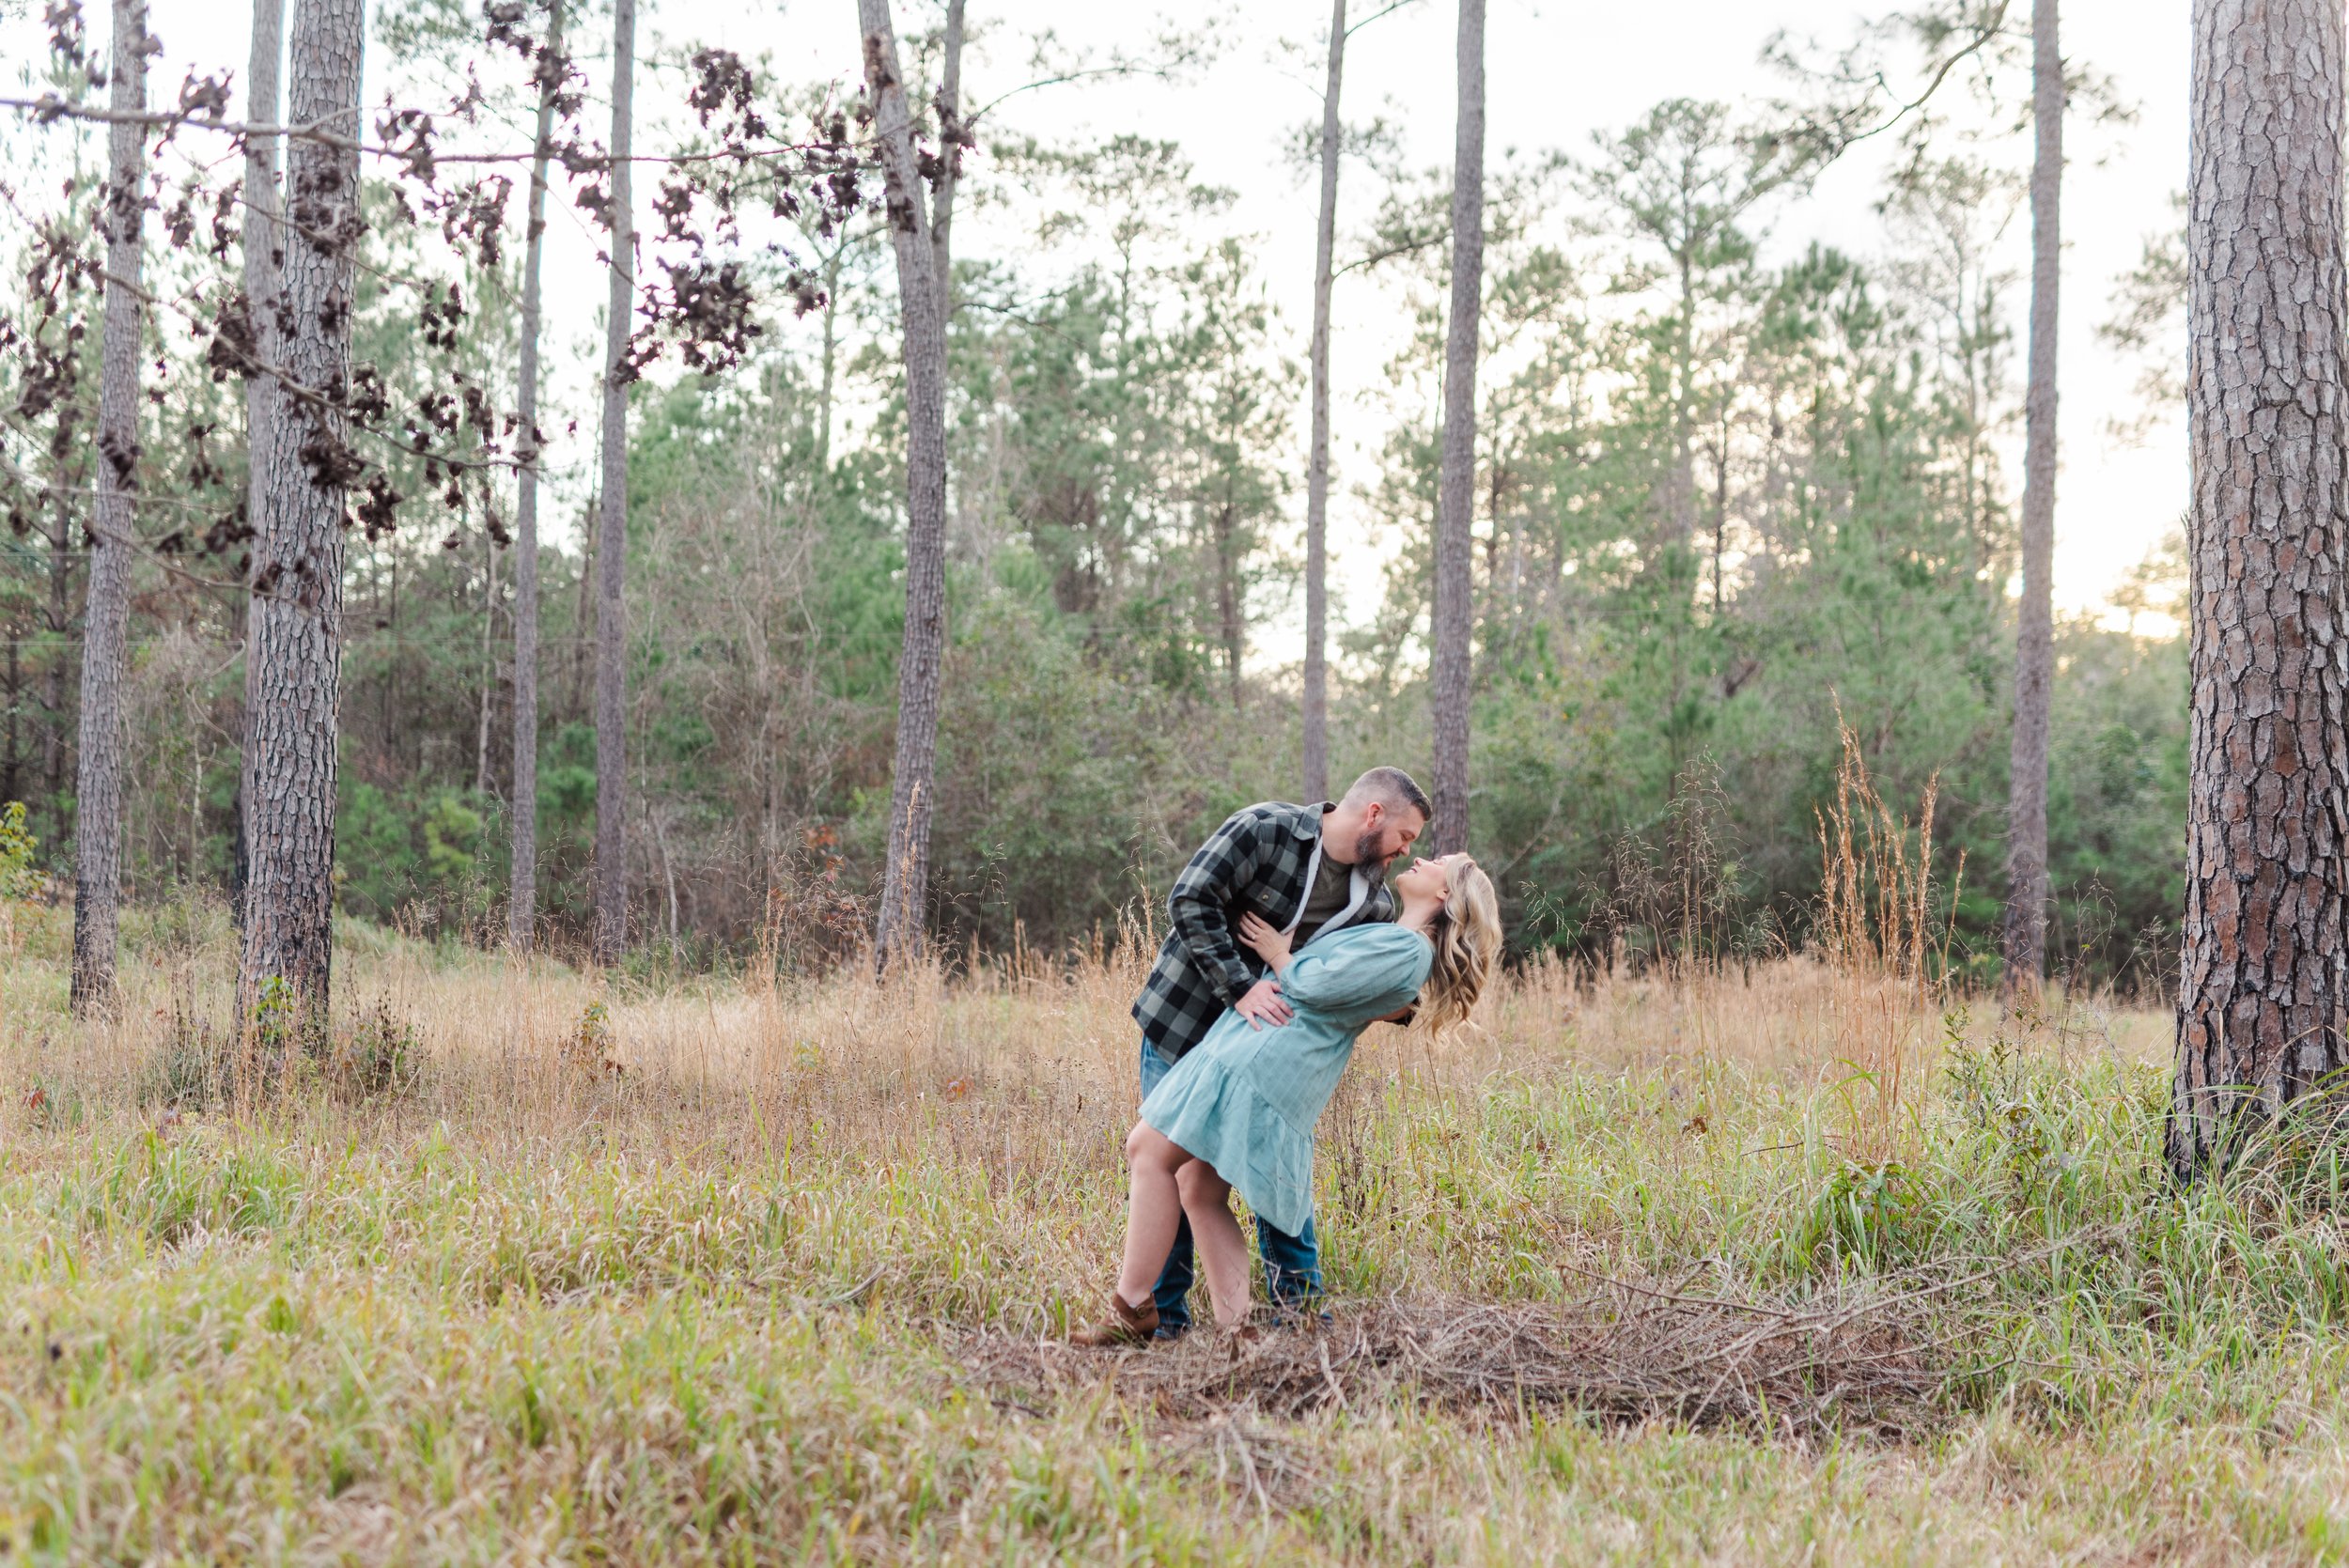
1256, 861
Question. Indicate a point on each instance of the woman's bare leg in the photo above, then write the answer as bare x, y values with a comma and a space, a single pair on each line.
1214, 1232
1153, 1206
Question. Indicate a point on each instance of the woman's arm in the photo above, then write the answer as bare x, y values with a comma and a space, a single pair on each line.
1365, 975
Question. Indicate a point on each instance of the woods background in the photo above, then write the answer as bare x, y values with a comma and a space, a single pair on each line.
1721, 505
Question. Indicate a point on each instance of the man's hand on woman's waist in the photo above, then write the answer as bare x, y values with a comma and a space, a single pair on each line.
1263, 1005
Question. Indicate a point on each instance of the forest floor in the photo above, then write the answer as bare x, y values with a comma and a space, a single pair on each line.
1767, 1267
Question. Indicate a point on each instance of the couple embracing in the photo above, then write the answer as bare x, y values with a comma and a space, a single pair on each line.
1239, 1057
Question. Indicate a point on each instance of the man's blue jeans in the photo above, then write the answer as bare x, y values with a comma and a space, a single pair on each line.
1292, 1264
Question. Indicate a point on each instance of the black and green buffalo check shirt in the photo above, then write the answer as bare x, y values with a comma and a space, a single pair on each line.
1259, 860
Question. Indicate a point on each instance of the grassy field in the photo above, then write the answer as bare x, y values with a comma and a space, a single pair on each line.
1773, 1267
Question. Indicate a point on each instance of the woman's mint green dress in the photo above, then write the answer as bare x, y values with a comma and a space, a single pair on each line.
1245, 1099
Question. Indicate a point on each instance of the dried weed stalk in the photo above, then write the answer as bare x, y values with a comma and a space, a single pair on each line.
1880, 936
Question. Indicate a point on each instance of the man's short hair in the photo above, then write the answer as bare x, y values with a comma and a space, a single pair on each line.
1394, 789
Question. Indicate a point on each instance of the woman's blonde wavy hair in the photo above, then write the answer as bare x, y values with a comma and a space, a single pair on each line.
1466, 934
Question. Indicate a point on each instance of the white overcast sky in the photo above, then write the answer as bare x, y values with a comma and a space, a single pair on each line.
1559, 70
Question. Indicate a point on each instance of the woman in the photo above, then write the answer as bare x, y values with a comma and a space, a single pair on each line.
1239, 1110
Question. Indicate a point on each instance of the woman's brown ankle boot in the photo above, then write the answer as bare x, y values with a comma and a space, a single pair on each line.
1129, 1326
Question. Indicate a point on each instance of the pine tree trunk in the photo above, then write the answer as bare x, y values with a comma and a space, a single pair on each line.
264, 252
611, 937
1457, 484
2261, 986
294, 648
904, 883
2034, 639
1317, 746
106, 613
521, 903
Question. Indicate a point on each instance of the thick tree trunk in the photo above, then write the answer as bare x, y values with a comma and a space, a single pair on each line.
2261, 985
611, 937
106, 613
294, 646
905, 882
1317, 748
2034, 636
1457, 484
521, 902
264, 256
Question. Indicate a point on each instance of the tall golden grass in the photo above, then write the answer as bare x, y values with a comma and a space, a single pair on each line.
1861, 1009
1047, 1041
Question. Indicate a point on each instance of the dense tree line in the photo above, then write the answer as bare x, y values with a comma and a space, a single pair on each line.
1705, 499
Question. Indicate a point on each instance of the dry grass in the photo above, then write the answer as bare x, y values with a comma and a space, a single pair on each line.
1639, 1270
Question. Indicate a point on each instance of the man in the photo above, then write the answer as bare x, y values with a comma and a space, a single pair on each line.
1305, 870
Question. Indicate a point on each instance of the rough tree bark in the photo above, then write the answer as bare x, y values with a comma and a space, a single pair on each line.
2261, 984
2034, 638
264, 255
1317, 747
106, 613
1456, 483
611, 935
293, 646
522, 901
898, 933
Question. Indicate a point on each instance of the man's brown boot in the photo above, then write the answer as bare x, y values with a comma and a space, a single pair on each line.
1130, 1325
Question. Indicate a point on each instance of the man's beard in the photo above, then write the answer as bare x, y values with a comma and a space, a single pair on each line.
1366, 852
